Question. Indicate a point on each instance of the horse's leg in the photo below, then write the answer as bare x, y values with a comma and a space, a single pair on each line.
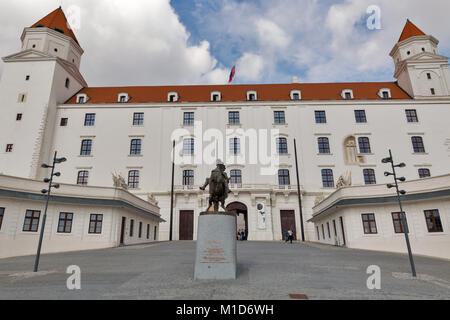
216, 206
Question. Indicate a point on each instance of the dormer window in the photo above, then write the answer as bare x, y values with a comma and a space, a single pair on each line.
296, 95
347, 94
82, 98
252, 96
384, 93
123, 98
172, 97
216, 96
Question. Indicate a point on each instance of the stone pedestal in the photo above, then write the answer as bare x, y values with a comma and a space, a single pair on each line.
216, 246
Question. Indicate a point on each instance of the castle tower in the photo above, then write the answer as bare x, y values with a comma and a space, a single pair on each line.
35, 80
419, 68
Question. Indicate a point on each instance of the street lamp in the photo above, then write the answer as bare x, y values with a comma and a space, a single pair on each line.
390, 160
47, 191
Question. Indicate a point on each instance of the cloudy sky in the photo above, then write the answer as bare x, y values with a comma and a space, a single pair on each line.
158, 42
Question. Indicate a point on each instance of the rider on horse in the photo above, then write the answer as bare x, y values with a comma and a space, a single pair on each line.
218, 186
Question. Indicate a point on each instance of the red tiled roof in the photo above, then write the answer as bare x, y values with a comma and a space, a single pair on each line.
56, 19
265, 92
410, 30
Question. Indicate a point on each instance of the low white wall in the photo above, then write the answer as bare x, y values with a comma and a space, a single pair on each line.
16, 242
434, 244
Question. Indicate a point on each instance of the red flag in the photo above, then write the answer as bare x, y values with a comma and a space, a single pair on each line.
233, 72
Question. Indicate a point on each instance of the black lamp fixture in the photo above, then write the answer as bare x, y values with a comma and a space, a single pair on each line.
390, 160
47, 192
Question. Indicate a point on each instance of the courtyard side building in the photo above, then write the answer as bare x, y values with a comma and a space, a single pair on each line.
341, 129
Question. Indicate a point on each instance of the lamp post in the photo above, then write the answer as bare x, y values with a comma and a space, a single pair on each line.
390, 160
48, 192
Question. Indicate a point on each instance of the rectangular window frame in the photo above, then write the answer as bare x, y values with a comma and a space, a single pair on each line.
436, 223
33, 220
66, 218
369, 223
95, 223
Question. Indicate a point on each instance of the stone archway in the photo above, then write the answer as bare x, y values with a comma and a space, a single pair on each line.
241, 212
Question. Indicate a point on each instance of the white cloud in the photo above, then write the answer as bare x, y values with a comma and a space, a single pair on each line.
250, 67
129, 42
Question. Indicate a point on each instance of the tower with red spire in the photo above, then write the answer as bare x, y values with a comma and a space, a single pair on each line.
44, 73
419, 68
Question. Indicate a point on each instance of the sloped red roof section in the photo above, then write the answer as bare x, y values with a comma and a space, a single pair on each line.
56, 19
410, 30
236, 93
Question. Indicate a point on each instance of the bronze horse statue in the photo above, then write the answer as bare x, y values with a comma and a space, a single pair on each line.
218, 187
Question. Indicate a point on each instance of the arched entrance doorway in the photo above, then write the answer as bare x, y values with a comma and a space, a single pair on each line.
240, 210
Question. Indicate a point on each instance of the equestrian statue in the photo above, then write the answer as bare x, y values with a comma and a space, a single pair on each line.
218, 186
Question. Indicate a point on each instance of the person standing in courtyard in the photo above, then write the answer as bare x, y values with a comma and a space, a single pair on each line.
290, 235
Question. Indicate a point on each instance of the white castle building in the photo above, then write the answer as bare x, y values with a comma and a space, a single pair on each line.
341, 129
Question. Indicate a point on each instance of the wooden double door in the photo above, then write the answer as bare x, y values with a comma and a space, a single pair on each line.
288, 223
186, 228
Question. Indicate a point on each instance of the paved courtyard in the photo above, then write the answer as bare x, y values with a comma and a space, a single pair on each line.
266, 270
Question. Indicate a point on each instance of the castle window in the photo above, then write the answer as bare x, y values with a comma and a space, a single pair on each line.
216, 96
424, 173
429, 76
140, 229
86, 147
235, 146
236, 176
233, 117
433, 221
418, 145
320, 116
135, 147
423, 49
433, 92
327, 178
22, 98
279, 117
56, 50
283, 177
369, 176
95, 223
82, 98
133, 179
188, 177
172, 97
58, 30
347, 94
64, 122
364, 145
65, 222
89, 120
131, 227
408, 53
123, 98
384, 93
397, 220
369, 224
188, 146
411, 115
324, 145
360, 116
9, 147
27, 78
67, 83
296, 95
252, 96
18, 117
282, 147
138, 119
188, 118
31, 223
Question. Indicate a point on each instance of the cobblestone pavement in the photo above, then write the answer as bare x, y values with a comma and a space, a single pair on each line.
266, 270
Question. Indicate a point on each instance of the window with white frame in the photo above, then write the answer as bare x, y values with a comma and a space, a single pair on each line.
216, 96
82, 98
123, 98
252, 96
384, 93
296, 95
347, 94
172, 97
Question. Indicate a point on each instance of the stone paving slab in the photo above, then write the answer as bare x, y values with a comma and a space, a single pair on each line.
266, 270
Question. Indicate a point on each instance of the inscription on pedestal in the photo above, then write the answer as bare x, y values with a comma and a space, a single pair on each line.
214, 253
